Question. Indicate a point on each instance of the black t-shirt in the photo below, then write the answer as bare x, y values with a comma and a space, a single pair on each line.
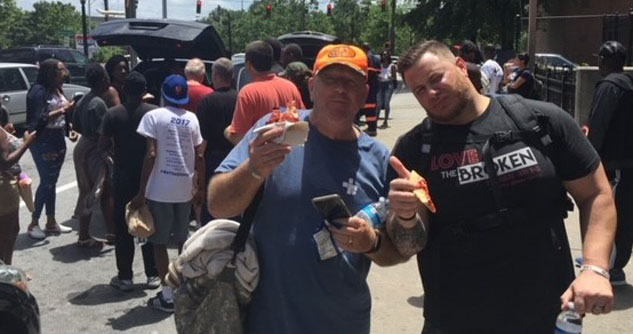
120, 123
506, 275
215, 113
527, 88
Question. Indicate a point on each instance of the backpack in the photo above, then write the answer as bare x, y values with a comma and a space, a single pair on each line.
531, 129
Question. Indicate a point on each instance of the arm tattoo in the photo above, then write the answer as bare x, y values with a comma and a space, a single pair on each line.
408, 241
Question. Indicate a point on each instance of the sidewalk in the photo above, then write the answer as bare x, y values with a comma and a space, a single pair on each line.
397, 291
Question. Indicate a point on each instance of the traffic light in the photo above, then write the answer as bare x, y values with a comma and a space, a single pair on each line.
198, 7
269, 10
383, 5
329, 9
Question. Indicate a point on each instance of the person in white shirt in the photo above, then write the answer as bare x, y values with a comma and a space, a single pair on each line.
491, 70
175, 155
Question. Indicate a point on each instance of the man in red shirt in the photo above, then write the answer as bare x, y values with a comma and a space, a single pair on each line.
195, 73
266, 93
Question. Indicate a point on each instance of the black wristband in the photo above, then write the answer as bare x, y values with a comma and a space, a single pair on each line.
376, 246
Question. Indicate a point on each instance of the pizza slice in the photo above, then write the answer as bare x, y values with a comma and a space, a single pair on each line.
422, 192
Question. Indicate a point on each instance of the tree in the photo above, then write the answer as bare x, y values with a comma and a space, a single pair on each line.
52, 18
13, 26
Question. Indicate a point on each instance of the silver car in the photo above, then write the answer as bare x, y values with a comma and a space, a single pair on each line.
15, 81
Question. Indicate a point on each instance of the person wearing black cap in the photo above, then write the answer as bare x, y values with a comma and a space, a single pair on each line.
119, 129
610, 124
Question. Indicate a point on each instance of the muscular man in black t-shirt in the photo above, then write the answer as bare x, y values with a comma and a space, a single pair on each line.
119, 127
496, 259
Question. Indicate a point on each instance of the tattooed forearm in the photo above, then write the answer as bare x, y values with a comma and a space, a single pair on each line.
408, 241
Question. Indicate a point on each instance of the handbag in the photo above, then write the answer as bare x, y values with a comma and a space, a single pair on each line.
9, 196
215, 305
140, 222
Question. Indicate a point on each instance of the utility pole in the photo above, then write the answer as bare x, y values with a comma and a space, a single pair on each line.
83, 27
228, 14
392, 29
532, 28
130, 9
106, 7
164, 9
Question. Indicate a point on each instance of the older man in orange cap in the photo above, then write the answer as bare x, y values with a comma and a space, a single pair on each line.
313, 275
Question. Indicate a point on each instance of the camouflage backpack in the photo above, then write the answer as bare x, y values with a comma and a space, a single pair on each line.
216, 305
211, 305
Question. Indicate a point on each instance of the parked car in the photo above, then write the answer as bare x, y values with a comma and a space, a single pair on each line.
15, 81
554, 61
163, 46
19, 312
75, 61
311, 43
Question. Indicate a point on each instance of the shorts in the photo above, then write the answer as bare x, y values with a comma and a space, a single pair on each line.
169, 218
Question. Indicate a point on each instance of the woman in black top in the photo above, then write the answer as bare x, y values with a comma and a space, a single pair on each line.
523, 82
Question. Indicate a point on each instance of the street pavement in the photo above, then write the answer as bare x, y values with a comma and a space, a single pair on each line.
72, 284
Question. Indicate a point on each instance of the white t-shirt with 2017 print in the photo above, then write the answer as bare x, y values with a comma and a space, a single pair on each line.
177, 133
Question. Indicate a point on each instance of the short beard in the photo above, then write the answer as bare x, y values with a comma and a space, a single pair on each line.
456, 112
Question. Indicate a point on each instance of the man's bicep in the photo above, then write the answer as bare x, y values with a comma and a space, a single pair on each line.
589, 185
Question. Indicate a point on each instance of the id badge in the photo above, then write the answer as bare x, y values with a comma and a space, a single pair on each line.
325, 246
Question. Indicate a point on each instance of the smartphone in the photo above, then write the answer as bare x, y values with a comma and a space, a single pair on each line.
331, 207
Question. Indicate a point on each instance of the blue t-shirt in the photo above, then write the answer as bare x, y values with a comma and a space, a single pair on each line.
297, 291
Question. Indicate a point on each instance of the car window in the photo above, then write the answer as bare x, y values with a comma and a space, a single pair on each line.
11, 80
42, 55
78, 57
17, 56
31, 74
64, 55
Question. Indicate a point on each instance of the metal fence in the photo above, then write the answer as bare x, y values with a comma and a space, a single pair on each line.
558, 86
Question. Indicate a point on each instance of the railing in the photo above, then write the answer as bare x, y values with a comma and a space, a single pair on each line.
559, 86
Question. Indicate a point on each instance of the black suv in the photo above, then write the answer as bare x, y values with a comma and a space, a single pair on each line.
163, 46
75, 61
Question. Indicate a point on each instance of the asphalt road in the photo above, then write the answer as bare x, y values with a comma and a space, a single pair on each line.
71, 284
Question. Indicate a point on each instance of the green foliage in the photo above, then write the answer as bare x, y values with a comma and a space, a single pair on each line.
352, 21
486, 21
106, 52
46, 24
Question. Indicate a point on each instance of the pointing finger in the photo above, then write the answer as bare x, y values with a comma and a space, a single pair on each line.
399, 168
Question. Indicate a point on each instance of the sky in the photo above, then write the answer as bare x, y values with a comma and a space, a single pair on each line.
176, 9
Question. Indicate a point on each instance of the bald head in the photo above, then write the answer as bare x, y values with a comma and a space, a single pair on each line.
414, 54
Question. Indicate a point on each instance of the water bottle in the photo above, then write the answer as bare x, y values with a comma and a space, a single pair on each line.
569, 322
375, 213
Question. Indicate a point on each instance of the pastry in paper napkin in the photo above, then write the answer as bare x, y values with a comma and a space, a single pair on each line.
422, 193
295, 131
295, 134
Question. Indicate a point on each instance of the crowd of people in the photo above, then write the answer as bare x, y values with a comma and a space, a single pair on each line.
493, 252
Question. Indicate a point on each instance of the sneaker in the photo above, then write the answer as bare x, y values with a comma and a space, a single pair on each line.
157, 302
36, 233
153, 282
124, 285
57, 229
618, 277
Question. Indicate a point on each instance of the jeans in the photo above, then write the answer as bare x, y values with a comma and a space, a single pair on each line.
622, 180
124, 242
384, 98
48, 151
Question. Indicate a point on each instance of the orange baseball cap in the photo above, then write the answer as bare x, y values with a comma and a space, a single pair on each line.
341, 54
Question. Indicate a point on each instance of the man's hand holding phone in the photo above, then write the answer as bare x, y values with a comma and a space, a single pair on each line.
353, 234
